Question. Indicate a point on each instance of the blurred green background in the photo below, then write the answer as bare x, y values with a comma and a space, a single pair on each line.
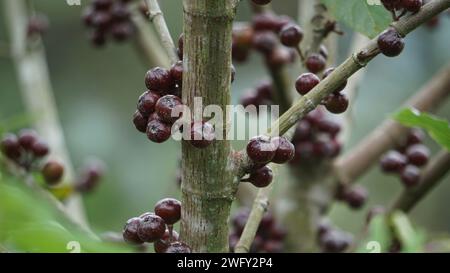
96, 93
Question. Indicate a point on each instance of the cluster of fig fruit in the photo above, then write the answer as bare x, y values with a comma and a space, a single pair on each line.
315, 139
408, 159
89, 176
262, 35
354, 195
391, 42
157, 228
336, 103
262, 150
37, 25
159, 108
108, 18
269, 237
399, 8
331, 239
278, 39
27, 151
262, 94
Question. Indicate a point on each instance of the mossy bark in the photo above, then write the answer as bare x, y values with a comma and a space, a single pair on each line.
208, 182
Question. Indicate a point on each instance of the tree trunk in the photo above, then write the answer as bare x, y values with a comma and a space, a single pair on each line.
208, 187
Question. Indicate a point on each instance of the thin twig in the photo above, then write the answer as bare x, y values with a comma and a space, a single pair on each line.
302, 107
282, 83
389, 134
157, 17
431, 176
260, 206
312, 15
304, 12
306, 189
262, 195
350, 66
35, 85
246, 194
352, 89
344, 71
314, 33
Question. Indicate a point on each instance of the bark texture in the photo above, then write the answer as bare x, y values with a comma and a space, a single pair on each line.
208, 182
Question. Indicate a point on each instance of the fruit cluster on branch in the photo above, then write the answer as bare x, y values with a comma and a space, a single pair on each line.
37, 25
390, 43
402, 6
30, 153
27, 150
108, 18
331, 239
277, 39
269, 236
157, 106
407, 159
315, 139
262, 36
157, 228
262, 94
263, 150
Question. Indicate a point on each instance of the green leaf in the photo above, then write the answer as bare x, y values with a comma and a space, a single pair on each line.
412, 241
29, 224
16, 122
437, 128
366, 18
378, 238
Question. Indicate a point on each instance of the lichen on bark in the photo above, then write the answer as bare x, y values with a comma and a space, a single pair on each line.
208, 185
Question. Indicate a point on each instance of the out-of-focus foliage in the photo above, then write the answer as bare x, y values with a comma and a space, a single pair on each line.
28, 224
411, 239
360, 15
14, 123
378, 236
380, 233
437, 128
